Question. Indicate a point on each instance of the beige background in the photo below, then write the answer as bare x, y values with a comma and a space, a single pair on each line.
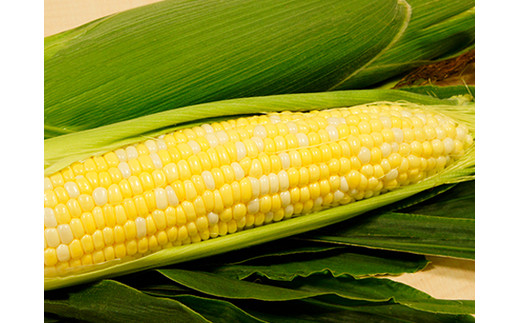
443, 278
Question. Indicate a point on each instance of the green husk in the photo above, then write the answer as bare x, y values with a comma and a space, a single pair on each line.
178, 53
61, 151
438, 30
64, 150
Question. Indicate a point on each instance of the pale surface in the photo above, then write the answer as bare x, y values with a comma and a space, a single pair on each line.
61, 15
443, 278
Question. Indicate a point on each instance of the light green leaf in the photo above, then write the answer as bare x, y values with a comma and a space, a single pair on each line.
437, 30
441, 92
172, 54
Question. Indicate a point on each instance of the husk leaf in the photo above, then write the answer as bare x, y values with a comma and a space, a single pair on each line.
178, 53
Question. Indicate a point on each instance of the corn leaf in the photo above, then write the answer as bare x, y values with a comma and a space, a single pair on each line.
337, 261
177, 53
85, 304
346, 311
437, 30
422, 234
216, 310
443, 225
458, 202
110, 301
367, 289
441, 92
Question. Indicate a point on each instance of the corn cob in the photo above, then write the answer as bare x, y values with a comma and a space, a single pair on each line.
216, 179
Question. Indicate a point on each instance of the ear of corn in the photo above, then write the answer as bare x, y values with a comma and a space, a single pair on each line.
179, 53
231, 184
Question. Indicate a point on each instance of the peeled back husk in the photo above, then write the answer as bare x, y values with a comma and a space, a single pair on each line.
64, 150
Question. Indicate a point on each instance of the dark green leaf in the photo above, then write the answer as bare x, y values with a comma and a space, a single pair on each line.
422, 234
458, 202
437, 30
369, 289
221, 286
338, 262
334, 309
110, 301
263, 253
215, 310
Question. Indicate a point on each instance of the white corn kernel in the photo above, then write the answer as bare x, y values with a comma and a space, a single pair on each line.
151, 145
392, 174
131, 152
449, 145
293, 128
253, 206
173, 200
239, 172
222, 136
386, 149
398, 135
156, 160
264, 185
52, 237
161, 198
207, 128
195, 147
283, 180
65, 233
260, 131
121, 154
47, 184
259, 143
140, 226
386, 121
212, 139
212, 218
100, 196
161, 145
285, 197
125, 169
364, 155
333, 132
286, 160
72, 189
209, 181
343, 186
255, 186
241, 150
63, 252
303, 140
273, 183
49, 219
